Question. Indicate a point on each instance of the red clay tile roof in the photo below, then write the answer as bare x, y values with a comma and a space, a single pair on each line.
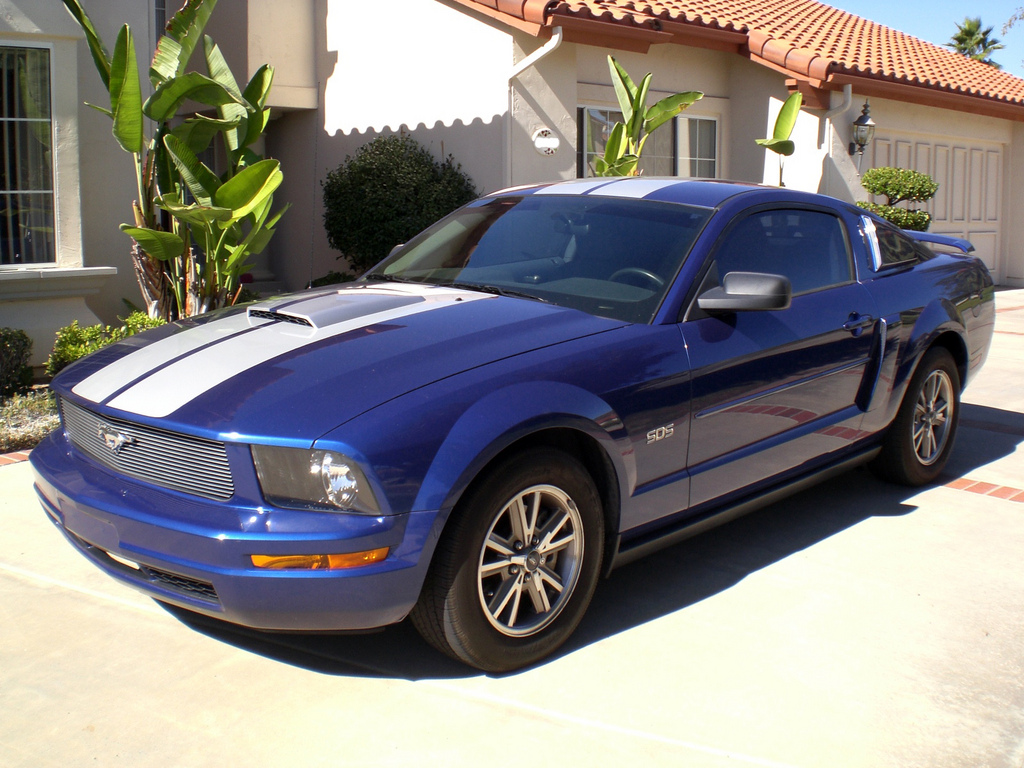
811, 41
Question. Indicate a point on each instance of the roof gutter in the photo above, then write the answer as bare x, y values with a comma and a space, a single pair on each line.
545, 50
549, 47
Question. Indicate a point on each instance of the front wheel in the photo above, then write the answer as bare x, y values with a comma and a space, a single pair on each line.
517, 564
918, 444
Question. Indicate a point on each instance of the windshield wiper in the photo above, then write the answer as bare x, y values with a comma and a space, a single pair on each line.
381, 277
496, 290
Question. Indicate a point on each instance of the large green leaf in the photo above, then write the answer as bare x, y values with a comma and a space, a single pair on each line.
205, 216
126, 94
249, 188
237, 109
200, 180
166, 100
99, 52
199, 130
163, 246
669, 107
616, 144
780, 146
256, 93
786, 120
176, 46
625, 88
635, 125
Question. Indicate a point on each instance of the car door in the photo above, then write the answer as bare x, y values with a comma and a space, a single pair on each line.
775, 390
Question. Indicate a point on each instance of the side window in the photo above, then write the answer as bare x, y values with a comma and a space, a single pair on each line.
809, 247
890, 247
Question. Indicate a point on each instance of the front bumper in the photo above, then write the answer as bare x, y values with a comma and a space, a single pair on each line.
196, 553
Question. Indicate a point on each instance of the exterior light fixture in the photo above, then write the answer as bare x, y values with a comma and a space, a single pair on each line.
863, 133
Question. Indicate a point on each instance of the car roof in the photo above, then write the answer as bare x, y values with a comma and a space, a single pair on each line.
709, 193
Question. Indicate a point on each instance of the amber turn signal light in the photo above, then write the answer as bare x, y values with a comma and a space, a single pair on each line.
319, 562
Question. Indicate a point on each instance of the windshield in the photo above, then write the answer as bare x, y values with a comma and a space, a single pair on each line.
610, 257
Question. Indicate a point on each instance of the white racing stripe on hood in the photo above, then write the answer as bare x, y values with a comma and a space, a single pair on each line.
109, 379
170, 388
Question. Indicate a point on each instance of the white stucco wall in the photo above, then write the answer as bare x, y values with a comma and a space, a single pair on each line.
427, 64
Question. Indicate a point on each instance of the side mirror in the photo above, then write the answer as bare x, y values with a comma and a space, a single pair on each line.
745, 291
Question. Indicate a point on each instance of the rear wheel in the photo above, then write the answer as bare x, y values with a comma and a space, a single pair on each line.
919, 442
517, 564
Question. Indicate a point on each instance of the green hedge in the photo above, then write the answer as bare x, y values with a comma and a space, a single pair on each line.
919, 221
15, 373
74, 341
390, 190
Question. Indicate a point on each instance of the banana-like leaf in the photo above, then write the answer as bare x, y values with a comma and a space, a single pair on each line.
99, 52
166, 100
104, 110
669, 107
199, 130
200, 180
126, 94
239, 109
624, 166
625, 88
616, 146
205, 216
786, 120
256, 93
176, 46
780, 146
635, 125
162, 246
249, 188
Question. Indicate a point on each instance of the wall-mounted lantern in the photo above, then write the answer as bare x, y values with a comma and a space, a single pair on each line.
863, 133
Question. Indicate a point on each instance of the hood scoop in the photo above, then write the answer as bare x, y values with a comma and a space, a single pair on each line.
324, 310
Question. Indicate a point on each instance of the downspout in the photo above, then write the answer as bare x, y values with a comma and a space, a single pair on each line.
549, 47
845, 105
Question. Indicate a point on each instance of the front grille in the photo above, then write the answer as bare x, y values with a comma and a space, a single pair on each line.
192, 587
174, 582
180, 462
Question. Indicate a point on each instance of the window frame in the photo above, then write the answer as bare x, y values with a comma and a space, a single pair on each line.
54, 261
583, 122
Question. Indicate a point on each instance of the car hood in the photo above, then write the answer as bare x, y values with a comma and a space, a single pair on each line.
296, 367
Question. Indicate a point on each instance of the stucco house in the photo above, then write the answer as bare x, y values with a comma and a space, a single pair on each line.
519, 92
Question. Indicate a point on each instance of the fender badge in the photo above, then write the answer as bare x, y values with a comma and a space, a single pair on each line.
113, 438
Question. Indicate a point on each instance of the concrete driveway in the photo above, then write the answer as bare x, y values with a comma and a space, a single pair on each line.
857, 624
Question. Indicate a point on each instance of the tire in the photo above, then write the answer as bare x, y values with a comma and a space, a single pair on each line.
920, 439
517, 564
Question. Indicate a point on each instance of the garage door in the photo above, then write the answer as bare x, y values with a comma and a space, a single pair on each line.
968, 203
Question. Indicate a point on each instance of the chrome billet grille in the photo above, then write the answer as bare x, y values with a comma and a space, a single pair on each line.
180, 462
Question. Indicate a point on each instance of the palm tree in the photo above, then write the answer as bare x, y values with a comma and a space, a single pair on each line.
973, 41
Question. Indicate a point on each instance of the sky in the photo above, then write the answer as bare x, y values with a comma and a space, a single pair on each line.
936, 20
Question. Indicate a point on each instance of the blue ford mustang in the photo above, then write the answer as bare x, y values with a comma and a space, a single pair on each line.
544, 385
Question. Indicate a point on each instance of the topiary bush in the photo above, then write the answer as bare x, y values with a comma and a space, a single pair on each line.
15, 373
900, 185
904, 218
391, 189
74, 342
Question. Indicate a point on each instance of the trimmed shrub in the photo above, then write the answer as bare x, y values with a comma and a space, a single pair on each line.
15, 373
919, 221
74, 342
391, 189
900, 185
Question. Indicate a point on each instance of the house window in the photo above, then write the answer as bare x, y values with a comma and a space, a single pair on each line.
686, 146
160, 16
697, 147
26, 157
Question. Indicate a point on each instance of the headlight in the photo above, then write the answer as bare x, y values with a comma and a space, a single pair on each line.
301, 479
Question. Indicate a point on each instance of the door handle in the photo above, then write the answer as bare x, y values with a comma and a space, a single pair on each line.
858, 323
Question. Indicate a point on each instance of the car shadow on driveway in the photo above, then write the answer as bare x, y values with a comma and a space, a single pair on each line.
658, 585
